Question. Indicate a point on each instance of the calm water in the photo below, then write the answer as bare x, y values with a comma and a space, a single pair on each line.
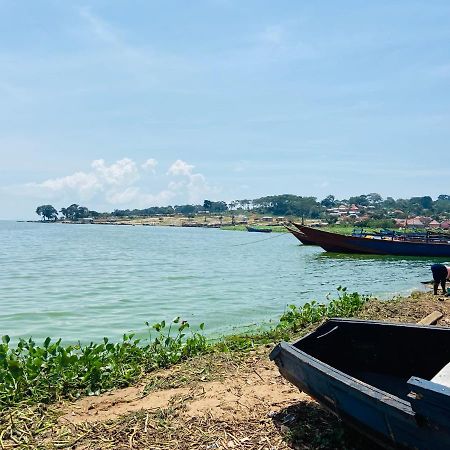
89, 281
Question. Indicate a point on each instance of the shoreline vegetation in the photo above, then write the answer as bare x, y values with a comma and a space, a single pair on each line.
368, 210
41, 383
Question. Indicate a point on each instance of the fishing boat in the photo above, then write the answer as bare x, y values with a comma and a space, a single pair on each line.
404, 245
300, 236
258, 230
390, 381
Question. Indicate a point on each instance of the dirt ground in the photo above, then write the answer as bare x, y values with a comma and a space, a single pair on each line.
220, 401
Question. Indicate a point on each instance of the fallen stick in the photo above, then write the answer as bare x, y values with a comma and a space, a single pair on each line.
431, 319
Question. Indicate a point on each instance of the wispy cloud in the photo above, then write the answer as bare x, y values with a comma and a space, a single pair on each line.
99, 27
272, 35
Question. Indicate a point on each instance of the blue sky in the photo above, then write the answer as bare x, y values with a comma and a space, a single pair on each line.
123, 104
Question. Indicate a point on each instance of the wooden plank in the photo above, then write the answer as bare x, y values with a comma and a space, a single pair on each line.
431, 319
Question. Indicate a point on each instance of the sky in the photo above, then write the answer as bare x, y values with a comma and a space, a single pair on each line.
129, 104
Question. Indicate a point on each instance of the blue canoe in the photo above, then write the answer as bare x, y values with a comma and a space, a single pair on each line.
390, 381
259, 230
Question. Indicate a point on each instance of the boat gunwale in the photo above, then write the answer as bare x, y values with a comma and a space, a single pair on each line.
351, 382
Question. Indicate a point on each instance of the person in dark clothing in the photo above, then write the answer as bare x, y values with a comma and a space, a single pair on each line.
441, 274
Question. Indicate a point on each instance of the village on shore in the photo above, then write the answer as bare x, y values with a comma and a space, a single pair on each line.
369, 210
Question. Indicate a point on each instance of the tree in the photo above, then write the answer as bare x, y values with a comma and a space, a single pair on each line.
360, 200
47, 212
417, 203
374, 198
218, 207
389, 203
329, 201
207, 204
75, 212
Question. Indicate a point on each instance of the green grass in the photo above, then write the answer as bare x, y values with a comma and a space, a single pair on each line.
32, 373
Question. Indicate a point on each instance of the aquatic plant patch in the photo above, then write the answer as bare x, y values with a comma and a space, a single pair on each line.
43, 374
46, 373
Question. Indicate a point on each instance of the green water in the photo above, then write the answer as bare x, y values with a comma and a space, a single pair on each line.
83, 282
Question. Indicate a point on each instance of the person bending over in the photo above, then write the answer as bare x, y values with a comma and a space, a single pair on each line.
441, 274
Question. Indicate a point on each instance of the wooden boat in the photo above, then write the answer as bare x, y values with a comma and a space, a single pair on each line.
377, 245
390, 381
300, 236
258, 230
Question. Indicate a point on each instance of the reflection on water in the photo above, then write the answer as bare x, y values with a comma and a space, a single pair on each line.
356, 257
89, 281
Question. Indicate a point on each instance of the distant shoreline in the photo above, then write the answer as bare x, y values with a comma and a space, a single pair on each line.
168, 221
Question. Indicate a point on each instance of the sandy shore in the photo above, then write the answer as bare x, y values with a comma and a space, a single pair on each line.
220, 401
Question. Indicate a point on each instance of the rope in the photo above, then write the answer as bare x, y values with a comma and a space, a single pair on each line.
261, 240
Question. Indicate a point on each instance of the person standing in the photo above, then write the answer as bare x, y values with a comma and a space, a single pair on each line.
441, 274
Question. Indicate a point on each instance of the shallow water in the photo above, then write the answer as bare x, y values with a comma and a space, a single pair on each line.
83, 282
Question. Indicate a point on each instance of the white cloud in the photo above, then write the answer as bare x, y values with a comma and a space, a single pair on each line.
150, 165
121, 172
180, 167
120, 184
83, 182
194, 185
126, 196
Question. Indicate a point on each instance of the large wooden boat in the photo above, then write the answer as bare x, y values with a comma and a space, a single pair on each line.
390, 381
300, 236
378, 244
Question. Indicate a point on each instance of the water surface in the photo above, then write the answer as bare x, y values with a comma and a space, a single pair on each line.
83, 282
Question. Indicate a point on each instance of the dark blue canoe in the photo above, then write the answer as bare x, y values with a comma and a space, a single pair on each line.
377, 245
390, 381
258, 230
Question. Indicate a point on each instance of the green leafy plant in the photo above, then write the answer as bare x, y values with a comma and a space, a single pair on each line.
346, 305
33, 373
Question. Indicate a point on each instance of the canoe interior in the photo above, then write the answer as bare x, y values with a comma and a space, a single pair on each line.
380, 354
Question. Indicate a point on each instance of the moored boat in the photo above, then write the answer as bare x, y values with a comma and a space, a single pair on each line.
258, 230
378, 244
300, 236
390, 381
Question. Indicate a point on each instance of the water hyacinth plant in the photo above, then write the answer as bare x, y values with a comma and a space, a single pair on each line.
346, 305
33, 373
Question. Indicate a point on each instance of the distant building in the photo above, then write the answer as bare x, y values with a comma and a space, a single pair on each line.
434, 224
415, 222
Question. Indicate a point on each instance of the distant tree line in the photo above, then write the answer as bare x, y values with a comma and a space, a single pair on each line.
279, 205
72, 212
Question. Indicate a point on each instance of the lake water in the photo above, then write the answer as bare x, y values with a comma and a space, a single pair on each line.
83, 282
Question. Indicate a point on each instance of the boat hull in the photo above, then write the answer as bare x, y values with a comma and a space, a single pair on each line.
385, 417
300, 236
334, 242
259, 230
